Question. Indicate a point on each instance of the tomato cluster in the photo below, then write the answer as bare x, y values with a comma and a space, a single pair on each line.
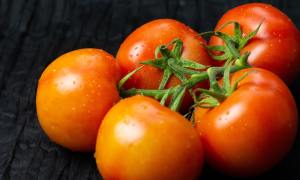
242, 120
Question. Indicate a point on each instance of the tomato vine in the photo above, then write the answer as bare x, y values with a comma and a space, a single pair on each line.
191, 73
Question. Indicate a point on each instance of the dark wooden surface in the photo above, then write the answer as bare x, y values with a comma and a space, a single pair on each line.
35, 32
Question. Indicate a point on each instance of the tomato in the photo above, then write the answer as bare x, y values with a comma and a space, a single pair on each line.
276, 46
74, 93
253, 129
140, 45
140, 139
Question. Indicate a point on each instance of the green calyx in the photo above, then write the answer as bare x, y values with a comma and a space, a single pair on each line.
218, 92
233, 44
191, 73
171, 63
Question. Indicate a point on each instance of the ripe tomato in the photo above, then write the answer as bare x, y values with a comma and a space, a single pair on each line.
276, 46
140, 45
73, 95
140, 139
253, 128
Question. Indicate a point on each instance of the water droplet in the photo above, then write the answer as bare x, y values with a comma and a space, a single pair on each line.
144, 107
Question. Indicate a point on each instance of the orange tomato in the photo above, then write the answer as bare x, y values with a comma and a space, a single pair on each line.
140, 139
73, 95
253, 129
276, 46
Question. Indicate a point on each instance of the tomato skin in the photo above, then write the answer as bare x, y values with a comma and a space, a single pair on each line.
140, 139
140, 45
251, 130
276, 46
74, 93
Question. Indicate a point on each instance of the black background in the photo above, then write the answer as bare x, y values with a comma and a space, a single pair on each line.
35, 32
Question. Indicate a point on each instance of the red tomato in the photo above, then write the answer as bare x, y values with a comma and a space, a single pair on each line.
253, 129
140, 139
73, 95
140, 45
276, 46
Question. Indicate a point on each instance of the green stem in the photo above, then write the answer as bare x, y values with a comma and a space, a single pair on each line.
166, 76
212, 75
177, 98
158, 94
190, 83
217, 95
165, 96
197, 78
125, 78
